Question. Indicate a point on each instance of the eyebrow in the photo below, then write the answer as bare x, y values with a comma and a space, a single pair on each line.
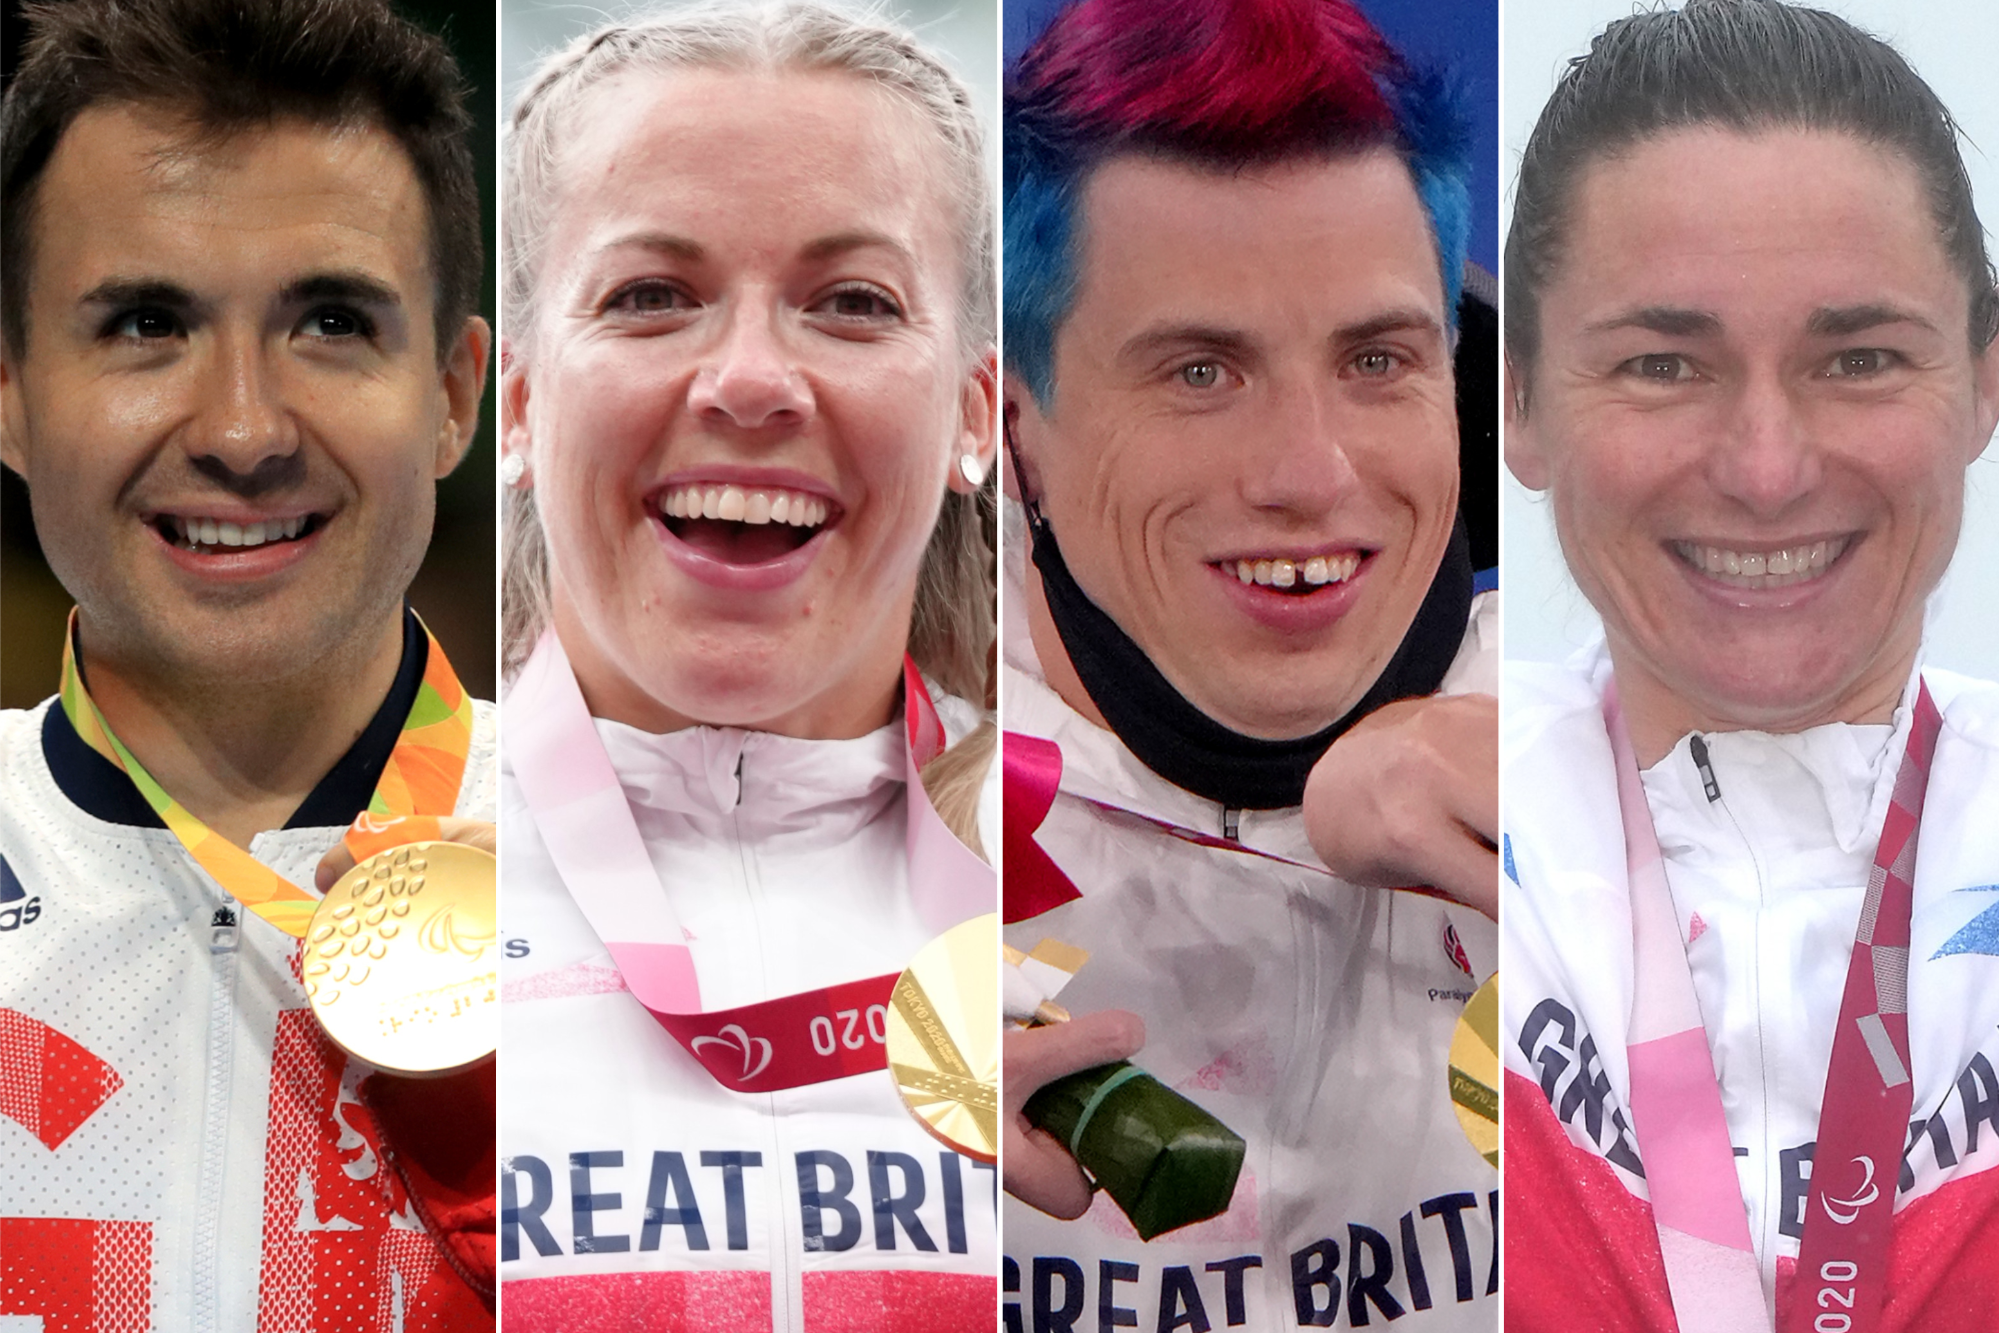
344, 285
1840, 321
664, 242
1405, 320
1185, 338
845, 242
139, 291
1673, 321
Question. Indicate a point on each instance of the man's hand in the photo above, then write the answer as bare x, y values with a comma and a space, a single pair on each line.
1039, 1170
450, 828
1410, 796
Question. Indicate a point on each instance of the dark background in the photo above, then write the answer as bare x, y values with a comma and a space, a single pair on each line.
454, 592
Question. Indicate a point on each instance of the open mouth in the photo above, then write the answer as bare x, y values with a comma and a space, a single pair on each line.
1297, 577
213, 536
1772, 567
744, 525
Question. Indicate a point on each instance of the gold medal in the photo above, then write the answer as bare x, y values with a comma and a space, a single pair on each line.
1475, 1070
944, 1037
402, 960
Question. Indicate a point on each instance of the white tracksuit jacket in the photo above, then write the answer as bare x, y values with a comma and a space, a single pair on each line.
1767, 882
181, 1150
1312, 1018
636, 1188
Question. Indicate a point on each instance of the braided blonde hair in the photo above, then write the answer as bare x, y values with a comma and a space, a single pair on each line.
952, 627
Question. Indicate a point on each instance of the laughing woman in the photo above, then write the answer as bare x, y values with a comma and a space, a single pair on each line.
749, 406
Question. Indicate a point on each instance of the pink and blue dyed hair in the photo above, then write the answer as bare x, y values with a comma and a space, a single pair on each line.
1221, 83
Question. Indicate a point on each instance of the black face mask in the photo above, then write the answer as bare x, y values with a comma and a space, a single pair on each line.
1193, 751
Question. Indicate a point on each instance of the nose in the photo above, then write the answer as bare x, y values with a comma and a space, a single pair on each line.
1765, 458
751, 378
242, 431
1300, 460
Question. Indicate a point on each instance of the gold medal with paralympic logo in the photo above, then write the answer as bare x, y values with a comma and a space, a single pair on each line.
401, 960
1474, 1073
944, 1037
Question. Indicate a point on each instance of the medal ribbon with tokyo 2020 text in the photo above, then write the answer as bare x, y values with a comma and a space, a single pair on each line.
420, 783
585, 823
1711, 1269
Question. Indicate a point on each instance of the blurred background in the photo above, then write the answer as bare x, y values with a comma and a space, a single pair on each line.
1951, 44
456, 591
964, 30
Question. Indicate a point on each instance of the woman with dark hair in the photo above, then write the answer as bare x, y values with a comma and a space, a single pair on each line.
1752, 1000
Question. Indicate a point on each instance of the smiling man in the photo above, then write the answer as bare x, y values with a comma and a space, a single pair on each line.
1234, 235
1752, 993
241, 255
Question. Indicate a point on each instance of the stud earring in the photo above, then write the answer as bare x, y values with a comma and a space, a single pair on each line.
513, 470
972, 470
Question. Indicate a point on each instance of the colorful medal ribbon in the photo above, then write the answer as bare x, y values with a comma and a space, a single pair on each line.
580, 811
1032, 775
421, 782
1676, 1100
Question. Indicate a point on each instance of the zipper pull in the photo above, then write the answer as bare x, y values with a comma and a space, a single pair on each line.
222, 931
1231, 821
1698, 748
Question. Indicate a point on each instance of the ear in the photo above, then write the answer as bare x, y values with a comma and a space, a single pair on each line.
1524, 456
464, 378
1985, 397
978, 421
514, 434
1025, 428
13, 429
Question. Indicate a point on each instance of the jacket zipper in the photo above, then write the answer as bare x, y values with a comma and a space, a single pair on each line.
223, 945
1703, 763
785, 1278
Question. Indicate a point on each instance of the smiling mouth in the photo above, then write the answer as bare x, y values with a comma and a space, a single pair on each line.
1771, 567
743, 525
212, 536
1300, 578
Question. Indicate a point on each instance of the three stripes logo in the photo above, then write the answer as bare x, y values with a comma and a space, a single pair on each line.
17, 908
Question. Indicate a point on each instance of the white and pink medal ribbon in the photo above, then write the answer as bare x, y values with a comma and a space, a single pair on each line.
580, 811
1676, 1104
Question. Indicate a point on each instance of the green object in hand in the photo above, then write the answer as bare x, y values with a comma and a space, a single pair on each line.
1165, 1161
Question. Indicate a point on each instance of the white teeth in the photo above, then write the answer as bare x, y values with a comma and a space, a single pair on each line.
1318, 570
737, 504
222, 532
1763, 569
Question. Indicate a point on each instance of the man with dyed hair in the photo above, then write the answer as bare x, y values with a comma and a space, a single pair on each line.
1250, 654
238, 346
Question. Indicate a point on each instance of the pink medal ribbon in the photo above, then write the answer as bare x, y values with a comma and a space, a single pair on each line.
580, 811
1864, 1114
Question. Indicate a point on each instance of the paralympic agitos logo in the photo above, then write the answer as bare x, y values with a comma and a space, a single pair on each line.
17, 909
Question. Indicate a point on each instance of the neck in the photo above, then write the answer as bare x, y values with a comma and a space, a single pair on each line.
1657, 717
1056, 669
240, 754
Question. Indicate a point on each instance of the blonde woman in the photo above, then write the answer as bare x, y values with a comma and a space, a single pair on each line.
749, 415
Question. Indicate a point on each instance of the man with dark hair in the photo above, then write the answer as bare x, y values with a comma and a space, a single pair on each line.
1249, 652
240, 265
1752, 998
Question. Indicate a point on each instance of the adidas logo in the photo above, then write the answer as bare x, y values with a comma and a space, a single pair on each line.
17, 909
